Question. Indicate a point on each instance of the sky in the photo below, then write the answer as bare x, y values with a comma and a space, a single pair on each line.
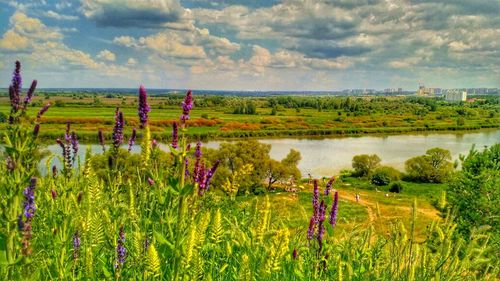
252, 45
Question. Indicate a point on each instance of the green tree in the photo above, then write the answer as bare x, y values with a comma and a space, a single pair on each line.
434, 166
474, 193
285, 169
385, 175
364, 164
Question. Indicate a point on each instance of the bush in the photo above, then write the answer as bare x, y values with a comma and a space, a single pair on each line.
259, 190
364, 164
385, 175
3, 117
396, 187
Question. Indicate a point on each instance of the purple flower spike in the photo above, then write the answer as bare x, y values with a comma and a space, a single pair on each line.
175, 135
144, 107
211, 173
16, 77
76, 245
187, 105
30, 93
334, 209
74, 145
310, 230
28, 213
186, 165
42, 110
315, 200
131, 141
118, 129
329, 185
295, 254
67, 135
36, 130
121, 251
53, 193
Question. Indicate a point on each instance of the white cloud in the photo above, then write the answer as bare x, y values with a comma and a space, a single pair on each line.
106, 55
57, 16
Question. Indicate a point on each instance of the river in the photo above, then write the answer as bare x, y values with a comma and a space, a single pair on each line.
328, 156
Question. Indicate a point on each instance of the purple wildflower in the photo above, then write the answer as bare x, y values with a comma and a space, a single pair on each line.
131, 141
151, 182
118, 129
42, 110
334, 209
20, 222
310, 230
17, 81
28, 213
54, 171
121, 251
321, 234
329, 185
187, 105
144, 107
53, 193
197, 167
14, 91
100, 136
294, 254
76, 245
175, 135
197, 152
211, 173
36, 130
67, 135
201, 179
74, 145
186, 165
30, 93
321, 227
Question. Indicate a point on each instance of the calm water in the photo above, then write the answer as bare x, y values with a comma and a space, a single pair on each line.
325, 157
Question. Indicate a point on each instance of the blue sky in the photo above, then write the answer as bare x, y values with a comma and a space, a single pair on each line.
253, 45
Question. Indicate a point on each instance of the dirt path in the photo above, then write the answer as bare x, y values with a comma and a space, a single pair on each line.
371, 206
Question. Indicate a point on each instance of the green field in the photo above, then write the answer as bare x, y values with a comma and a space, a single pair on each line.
215, 117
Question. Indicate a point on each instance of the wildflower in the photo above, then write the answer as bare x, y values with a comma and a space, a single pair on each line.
67, 135
310, 230
14, 90
118, 129
100, 136
294, 254
175, 135
20, 222
74, 145
30, 93
186, 164
151, 182
197, 167
36, 130
53, 193
76, 245
16, 78
42, 110
329, 185
321, 227
197, 152
28, 213
201, 179
211, 173
144, 107
154, 143
121, 251
131, 141
334, 209
187, 105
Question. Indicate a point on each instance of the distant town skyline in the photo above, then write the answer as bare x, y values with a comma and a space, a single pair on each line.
258, 45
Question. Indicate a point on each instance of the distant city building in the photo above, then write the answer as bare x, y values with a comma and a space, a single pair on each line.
455, 96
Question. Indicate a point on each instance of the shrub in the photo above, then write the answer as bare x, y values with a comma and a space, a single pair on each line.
3, 117
396, 187
364, 164
385, 175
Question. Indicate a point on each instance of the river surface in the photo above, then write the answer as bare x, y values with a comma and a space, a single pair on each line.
328, 156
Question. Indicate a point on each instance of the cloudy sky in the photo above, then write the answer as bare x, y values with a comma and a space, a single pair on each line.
254, 44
